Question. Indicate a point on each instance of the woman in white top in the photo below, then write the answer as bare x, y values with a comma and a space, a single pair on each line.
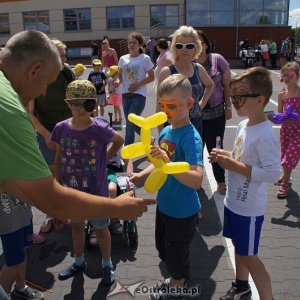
264, 52
135, 72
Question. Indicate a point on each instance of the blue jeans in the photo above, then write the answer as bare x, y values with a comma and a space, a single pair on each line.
133, 104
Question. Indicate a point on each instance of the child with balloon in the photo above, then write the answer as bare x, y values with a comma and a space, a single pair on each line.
177, 200
289, 97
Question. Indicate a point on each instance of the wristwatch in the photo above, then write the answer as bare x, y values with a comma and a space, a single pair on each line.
228, 107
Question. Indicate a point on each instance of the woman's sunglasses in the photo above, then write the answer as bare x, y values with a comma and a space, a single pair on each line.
188, 46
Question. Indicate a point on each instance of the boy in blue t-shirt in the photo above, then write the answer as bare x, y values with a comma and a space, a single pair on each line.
99, 79
177, 200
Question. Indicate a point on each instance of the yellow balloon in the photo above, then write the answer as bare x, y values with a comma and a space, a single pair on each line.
133, 150
155, 181
159, 175
155, 120
175, 167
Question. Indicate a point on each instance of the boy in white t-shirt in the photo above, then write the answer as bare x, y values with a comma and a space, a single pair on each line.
253, 163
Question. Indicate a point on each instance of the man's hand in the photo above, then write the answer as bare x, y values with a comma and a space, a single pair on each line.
131, 208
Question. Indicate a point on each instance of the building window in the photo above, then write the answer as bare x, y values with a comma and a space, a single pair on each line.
38, 20
77, 19
120, 17
236, 12
210, 13
4, 24
164, 14
267, 12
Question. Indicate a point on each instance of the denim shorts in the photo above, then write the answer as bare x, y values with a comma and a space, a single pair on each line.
13, 245
97, 224
49, 155
101, 99
243, 231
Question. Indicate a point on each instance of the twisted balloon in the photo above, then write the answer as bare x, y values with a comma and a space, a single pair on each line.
159, 175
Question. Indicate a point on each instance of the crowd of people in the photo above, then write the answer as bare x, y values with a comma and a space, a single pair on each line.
268, 52
56, 109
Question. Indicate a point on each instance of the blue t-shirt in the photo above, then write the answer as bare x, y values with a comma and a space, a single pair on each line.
182, 144
83, 156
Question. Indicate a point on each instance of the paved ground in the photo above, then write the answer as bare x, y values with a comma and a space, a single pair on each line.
211, 266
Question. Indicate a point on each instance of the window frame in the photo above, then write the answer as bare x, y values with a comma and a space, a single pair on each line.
165, 15
37, 20
68, 23
119, 22
5, 23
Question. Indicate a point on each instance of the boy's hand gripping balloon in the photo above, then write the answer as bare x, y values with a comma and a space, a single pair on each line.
289, 114
159, 175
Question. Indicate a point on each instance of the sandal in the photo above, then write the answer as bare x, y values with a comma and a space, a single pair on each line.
279, 182
116, 227
46, 225
283, 190
222, 188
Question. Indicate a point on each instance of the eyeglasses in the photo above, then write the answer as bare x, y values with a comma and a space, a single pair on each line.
188, 46
88, 105
237, 99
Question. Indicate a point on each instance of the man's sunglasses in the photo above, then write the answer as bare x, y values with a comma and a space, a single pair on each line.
188, 46
88, 105
236, 99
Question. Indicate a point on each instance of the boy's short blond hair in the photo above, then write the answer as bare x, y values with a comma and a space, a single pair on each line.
258, 80
173, 82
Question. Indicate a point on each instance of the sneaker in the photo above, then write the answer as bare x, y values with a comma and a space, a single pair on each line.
37, 239
237, 294
28, 293
108, 276
70, 271
161, 284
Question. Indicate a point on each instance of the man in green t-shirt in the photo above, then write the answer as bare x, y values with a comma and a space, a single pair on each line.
24, 173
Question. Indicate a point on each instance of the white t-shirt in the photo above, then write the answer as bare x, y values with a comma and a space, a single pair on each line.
264, 48
256, 146
134, 69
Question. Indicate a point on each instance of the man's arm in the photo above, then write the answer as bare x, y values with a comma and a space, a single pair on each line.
66, 203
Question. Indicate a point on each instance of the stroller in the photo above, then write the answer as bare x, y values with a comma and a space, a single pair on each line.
116, 164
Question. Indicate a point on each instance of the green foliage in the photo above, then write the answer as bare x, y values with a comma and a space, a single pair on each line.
296, 34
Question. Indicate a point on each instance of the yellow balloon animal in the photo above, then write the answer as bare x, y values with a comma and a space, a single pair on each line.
159, 175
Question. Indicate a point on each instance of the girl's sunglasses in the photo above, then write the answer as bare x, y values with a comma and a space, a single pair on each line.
188, 46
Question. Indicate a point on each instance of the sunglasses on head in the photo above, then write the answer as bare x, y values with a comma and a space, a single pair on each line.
188, 46
88, 105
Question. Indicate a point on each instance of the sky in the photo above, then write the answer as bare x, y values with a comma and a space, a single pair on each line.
295, 12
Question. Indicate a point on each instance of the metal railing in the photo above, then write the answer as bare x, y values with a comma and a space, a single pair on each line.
155, 30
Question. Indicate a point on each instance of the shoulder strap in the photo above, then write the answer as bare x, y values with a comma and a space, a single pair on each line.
172, 69
196, 71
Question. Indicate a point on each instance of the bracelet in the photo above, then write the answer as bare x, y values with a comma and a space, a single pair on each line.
228, 107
